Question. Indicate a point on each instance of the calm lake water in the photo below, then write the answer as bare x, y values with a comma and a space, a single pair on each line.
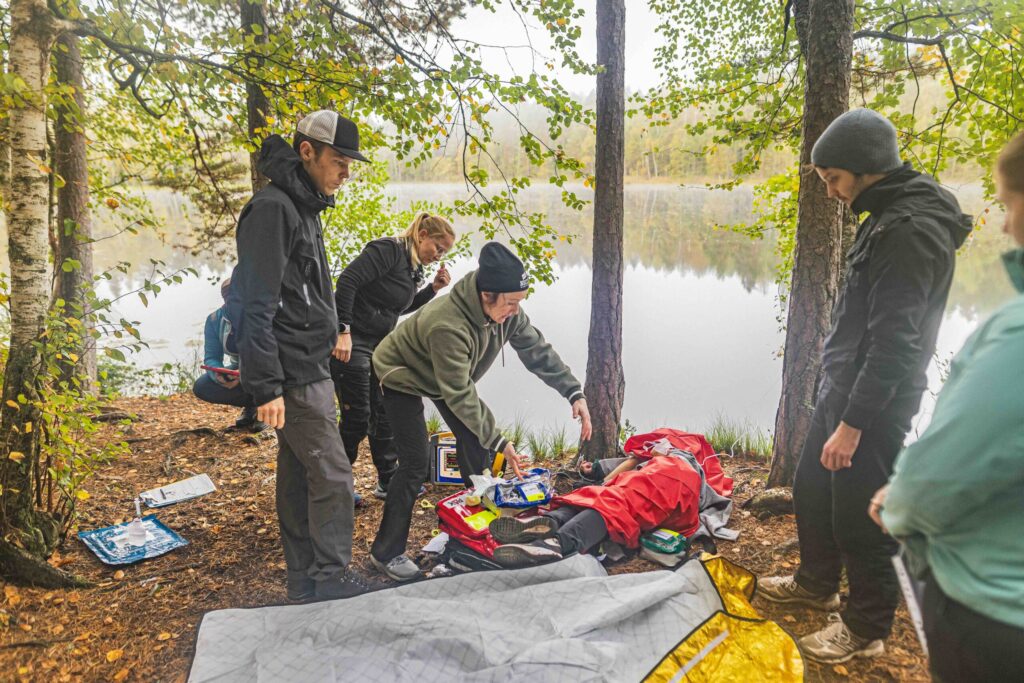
702, 321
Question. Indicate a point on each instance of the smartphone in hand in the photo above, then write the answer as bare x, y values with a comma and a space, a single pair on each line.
227, 372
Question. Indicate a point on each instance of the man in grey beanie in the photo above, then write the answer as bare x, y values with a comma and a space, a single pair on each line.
875, 358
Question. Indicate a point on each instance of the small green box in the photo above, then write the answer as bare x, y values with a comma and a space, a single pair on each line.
664, 541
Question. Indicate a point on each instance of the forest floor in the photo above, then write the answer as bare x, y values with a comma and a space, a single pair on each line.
139, 623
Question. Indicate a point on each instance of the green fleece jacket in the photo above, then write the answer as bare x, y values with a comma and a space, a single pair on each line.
956, 497
443, 349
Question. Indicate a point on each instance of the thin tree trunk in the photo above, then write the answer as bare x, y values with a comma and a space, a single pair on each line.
5, 144
826, 37
253, 13
606, 384
27, 230
74, 223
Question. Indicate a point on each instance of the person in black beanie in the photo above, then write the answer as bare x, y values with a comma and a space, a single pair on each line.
874, 362
440, 353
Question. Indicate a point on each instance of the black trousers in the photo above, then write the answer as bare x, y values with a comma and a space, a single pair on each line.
206, 389
579, 529
409, 427
964, 645
833, 525
362, 408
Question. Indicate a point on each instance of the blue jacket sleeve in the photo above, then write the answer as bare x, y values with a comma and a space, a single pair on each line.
213, 352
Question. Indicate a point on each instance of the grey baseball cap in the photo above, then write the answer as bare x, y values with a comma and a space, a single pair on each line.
333, 129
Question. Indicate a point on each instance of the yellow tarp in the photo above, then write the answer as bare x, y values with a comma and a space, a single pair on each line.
733, 644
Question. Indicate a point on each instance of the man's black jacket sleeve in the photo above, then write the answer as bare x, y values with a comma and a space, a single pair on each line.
902, 273
264, 241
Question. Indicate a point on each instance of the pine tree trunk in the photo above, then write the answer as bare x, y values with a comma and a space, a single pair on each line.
606, 384
253, 13
825, 31
5, 144
74, 223
26, 535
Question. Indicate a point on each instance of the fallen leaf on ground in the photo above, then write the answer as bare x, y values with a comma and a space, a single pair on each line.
164, 636
25, 627
121, 675
789, 618
114, 655
12, 595
118, 575
841, 670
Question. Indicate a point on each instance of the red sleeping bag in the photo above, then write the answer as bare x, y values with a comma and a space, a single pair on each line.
640, 445
665, 492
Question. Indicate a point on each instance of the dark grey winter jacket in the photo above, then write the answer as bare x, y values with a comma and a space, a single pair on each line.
886, 320
284, 312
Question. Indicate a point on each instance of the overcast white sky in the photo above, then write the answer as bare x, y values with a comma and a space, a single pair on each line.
504, 27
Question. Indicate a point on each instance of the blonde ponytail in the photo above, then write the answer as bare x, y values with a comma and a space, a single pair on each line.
436, 226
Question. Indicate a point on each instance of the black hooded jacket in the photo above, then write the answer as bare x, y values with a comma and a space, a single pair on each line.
886, 320
284, 313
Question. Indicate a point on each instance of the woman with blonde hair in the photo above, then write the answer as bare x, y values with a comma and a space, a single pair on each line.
372, 292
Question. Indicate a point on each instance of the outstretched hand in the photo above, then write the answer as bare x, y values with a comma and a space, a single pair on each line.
513, 459
581, 412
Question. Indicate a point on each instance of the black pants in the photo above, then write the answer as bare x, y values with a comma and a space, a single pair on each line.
964, 645
579, 529
362, 408
411, 441
832, 519
206, 389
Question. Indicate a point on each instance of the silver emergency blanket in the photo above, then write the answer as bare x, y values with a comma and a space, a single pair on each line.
567, 621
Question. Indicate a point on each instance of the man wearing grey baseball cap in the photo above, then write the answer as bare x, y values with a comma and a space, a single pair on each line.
875, 359
286, 328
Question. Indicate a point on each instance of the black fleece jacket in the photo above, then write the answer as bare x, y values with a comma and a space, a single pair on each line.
887, 318
378, 286
283, 310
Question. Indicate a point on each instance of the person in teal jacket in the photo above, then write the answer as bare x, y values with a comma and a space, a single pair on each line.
956, 497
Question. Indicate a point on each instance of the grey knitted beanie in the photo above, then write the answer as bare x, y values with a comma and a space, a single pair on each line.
859, 141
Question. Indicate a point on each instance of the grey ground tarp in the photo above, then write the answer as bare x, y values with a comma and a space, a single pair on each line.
568, 621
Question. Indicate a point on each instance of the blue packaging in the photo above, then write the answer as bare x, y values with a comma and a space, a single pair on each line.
110, 544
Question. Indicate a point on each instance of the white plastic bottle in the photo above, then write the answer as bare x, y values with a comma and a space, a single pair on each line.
137, 530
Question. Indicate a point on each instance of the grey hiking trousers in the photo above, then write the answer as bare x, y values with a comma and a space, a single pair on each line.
314, 485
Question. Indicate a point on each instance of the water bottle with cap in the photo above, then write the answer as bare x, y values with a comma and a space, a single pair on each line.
137, 530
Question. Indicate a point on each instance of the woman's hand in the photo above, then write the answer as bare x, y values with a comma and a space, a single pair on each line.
512, 458
581, 412
876, 505
442, 279
343, 348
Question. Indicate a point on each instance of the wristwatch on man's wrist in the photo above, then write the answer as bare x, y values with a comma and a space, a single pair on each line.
344, 328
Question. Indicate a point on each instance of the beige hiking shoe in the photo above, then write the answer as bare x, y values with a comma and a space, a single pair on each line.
785, 589
835, 644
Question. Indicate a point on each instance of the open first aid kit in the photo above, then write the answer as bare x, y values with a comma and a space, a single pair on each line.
532, 490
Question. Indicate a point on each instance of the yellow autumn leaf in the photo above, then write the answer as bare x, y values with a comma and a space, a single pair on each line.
112, 202
82, 494
121, 675
12, 404
28, 428
164, 636
398, 58
118, 575
114, 655
16, 456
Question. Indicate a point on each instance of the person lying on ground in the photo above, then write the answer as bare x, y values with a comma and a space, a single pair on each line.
440, 353
224, 388
956, 496
639, 495
372, 292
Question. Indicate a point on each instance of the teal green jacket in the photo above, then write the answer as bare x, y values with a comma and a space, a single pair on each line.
444, 348
956, 497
